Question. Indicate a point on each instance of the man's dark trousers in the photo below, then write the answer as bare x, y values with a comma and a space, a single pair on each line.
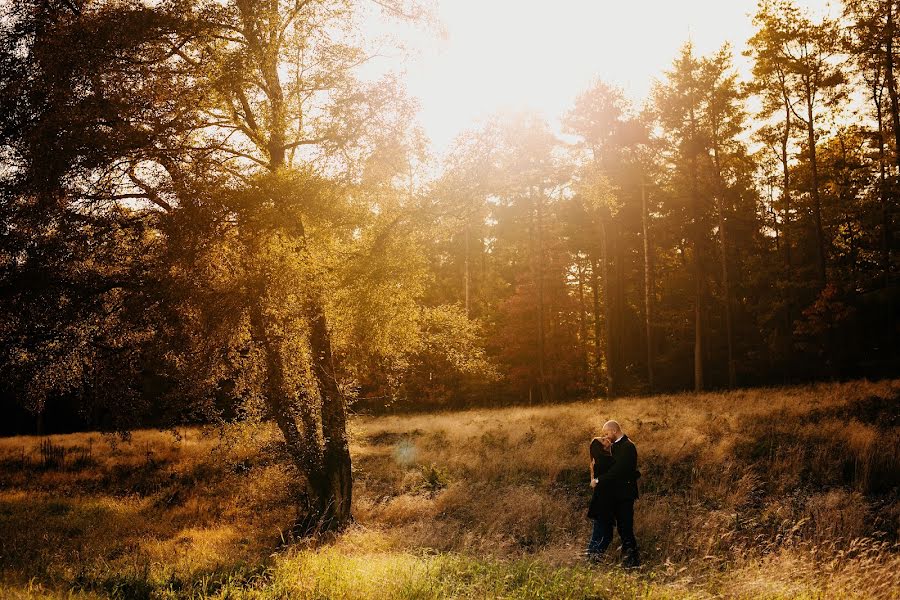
622, 518
624, 514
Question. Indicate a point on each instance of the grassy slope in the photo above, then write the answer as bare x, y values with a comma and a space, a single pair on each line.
762, 493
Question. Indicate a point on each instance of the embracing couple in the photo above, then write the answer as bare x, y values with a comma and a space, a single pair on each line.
614, 477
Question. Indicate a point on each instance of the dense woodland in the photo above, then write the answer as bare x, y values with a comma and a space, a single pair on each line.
206, 214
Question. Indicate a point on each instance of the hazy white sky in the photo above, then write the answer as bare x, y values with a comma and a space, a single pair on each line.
514, 54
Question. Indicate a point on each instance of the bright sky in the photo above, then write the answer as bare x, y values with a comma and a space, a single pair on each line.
514, 54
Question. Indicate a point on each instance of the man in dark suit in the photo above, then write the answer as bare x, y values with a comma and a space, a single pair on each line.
620, 481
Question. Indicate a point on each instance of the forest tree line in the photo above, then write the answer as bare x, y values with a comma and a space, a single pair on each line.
206, 214
726, 232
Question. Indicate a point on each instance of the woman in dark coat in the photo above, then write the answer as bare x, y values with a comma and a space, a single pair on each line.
600, 508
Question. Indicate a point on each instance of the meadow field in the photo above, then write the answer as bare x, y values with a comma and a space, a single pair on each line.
769, 493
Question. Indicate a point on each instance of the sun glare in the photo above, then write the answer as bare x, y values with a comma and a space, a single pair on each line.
513, 54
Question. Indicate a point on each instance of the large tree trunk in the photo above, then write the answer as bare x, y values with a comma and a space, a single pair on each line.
323, 459
335, 491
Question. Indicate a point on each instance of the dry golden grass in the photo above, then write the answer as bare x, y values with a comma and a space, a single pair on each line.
789, 492
155, 501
